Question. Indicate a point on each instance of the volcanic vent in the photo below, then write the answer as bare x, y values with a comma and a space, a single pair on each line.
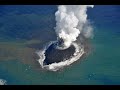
54, 55
71, 21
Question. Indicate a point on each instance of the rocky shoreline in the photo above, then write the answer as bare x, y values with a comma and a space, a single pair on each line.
26, 53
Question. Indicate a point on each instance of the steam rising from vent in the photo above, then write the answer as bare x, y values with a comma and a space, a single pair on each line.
71, 20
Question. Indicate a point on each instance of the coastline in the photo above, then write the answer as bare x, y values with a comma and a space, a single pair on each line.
26, 53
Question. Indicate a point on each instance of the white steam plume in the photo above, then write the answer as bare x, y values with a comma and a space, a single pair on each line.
70, 21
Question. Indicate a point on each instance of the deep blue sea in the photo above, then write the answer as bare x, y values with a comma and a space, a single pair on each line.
23, 25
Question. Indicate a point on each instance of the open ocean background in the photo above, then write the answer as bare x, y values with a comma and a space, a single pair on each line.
23, 25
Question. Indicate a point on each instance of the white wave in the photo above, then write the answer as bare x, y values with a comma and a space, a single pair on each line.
2, 82
79, 51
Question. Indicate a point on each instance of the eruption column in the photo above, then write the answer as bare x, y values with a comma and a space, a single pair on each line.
70, 21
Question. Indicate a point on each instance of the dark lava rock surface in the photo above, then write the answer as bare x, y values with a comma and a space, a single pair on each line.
55, 55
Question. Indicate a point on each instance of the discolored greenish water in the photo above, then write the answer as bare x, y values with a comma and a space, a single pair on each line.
25, 29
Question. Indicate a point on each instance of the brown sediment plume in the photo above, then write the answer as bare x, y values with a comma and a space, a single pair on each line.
26, 52
18, 51
87, 46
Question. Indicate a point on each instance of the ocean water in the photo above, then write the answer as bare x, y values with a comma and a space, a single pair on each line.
26, 28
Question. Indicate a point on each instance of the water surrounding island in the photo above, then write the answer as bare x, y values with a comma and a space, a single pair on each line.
24, 29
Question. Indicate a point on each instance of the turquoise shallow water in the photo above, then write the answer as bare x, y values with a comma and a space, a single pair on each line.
102, 66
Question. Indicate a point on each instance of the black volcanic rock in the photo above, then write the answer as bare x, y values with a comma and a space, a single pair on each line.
55, 55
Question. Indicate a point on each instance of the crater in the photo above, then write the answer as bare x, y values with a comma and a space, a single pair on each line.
53, 54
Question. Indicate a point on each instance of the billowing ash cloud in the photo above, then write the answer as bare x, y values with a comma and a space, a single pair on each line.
71, 20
